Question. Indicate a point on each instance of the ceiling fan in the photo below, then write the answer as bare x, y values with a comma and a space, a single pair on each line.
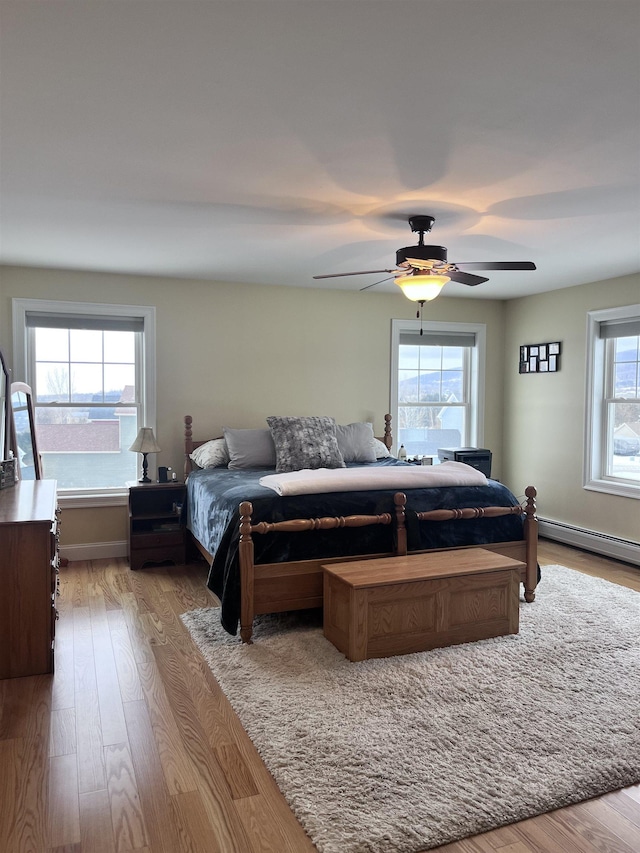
422, 271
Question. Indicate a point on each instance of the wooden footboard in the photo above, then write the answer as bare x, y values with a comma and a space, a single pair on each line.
527, 551
276, 587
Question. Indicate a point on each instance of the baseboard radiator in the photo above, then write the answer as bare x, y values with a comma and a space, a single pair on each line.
590, 540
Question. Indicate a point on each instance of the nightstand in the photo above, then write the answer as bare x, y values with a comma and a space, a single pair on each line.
156, 530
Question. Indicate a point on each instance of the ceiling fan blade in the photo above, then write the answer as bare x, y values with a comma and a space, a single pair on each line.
382, 281
360, 272
497, 265
466, 278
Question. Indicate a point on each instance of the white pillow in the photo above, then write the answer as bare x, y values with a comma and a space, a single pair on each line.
212, 454
381, 449
356, 442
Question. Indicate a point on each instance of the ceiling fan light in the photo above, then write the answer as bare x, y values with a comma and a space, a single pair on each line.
421, 288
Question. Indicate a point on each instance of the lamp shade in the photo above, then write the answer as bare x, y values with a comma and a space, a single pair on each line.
145, 442
422, 288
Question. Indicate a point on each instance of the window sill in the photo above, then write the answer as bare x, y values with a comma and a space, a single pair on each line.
89, 500
609, 487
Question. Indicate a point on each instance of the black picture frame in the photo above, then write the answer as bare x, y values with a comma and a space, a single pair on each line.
540, 358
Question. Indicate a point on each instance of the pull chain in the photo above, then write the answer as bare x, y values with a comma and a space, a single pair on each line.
419, 313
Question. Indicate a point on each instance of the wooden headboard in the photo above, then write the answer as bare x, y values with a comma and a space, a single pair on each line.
190, 443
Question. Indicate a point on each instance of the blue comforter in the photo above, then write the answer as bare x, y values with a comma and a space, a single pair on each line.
214, 496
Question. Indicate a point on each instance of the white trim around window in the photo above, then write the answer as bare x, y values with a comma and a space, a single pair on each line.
596, 437
475, 430
22, 307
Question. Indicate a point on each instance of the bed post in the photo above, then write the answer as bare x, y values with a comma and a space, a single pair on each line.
388, 438
400, 500
188, 445
245, 550
531, 538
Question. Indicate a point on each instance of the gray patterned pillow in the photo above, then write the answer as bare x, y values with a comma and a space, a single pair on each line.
305, 443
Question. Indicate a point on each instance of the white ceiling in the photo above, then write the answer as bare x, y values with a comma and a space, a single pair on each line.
270, 141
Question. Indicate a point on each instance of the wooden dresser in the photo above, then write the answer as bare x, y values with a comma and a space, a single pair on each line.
28, 569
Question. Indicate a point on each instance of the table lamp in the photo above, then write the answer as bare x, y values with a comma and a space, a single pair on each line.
145, 443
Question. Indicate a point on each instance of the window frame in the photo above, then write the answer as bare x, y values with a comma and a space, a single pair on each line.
596, 439
24, 359
474, 424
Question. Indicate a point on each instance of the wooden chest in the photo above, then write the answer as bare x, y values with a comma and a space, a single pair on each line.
396, 605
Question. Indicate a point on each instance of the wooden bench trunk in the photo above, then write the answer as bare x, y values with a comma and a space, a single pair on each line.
397, 605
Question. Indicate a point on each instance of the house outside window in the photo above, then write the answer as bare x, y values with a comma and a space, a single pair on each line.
437, 385
91, 370
612, 441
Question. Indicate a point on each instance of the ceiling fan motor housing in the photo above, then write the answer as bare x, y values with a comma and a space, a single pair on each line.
421, 253
421, 223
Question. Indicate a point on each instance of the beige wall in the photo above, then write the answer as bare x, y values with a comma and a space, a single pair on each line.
544, 413
230, 355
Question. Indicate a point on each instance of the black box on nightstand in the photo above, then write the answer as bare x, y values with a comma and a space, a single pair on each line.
477, 457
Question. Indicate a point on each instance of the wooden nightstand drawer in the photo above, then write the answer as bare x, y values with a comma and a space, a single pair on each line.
138, 557
161, 538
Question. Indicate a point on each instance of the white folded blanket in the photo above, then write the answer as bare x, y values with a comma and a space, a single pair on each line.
309, 482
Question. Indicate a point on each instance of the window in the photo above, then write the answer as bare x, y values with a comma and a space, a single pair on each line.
612, 446
437, 385
91, 369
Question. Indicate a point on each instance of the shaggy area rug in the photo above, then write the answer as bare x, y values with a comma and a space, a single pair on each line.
400, 754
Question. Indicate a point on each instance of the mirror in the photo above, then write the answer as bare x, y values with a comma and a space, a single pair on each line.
23, 433
5, 409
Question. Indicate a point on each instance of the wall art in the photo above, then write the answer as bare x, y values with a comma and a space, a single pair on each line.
540, 358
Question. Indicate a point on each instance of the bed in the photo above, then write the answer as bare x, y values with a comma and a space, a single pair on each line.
265, 538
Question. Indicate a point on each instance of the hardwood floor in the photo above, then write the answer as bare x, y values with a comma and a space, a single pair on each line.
132, 745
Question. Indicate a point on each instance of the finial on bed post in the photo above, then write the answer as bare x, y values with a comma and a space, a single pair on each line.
388, 438
400, 500
531, 538
245, 553
188, 445
530, 507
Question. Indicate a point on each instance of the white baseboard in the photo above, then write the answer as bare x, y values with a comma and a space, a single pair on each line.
590, 540
94, 551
